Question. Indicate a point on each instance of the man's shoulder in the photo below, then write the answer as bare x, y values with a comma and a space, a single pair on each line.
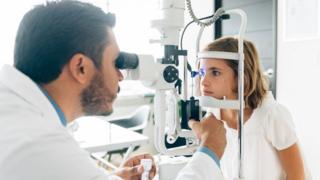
14, 106
17, 115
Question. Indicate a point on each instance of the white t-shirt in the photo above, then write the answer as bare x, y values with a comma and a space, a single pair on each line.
270, 128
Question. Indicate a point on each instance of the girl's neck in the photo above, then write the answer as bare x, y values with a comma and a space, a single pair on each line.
231, 116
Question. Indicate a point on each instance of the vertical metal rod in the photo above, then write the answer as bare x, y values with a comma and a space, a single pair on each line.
185, 78
240, 118
243, 26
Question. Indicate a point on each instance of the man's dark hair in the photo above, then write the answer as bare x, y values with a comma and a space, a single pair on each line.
49, 35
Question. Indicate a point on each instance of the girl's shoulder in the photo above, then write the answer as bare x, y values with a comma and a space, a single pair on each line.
271, 108
277, 123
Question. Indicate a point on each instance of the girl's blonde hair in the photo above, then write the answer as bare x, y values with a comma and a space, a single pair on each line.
255, 83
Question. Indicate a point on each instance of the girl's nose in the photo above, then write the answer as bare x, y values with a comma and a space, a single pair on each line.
204, 80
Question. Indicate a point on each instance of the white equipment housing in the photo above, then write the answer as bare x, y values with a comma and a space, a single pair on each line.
150, 72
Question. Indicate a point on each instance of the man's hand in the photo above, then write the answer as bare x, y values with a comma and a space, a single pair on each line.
211, 132
132, 169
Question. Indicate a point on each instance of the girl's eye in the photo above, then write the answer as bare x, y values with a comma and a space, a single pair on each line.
216, 73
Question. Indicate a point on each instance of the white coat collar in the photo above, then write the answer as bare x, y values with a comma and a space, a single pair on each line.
28, 90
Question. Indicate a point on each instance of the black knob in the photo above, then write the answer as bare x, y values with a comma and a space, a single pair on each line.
170, 74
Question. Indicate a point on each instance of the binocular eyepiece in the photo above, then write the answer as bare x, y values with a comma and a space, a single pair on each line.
127, 61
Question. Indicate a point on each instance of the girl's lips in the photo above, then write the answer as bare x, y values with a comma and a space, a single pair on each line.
206, 93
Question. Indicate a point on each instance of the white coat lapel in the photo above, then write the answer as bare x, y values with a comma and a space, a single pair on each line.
27, 90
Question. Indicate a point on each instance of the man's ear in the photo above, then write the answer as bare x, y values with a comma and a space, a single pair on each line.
81, 68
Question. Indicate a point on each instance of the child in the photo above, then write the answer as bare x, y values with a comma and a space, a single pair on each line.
271, 151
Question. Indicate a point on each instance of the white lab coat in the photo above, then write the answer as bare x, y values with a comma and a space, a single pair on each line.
34, 145
201, 167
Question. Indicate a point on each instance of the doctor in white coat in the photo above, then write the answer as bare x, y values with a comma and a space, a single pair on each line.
64, 68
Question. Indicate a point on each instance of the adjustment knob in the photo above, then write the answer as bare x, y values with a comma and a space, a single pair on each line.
170, 74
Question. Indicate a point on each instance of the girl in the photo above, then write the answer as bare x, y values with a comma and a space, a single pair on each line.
271, 151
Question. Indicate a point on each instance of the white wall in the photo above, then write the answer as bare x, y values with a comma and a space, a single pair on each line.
201, 9
11, 13
298, 79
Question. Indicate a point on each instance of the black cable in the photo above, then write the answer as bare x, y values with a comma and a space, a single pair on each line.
185, 28
181, 40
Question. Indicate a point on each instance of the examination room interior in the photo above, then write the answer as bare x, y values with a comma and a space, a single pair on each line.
286, 33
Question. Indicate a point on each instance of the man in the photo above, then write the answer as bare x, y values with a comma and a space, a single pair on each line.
64, 68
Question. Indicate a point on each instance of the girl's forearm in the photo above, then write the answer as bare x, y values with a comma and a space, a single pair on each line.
292, 163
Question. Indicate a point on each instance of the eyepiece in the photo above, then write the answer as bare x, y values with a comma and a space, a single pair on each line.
127, 61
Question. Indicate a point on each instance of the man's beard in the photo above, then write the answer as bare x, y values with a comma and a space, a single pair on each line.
97, 99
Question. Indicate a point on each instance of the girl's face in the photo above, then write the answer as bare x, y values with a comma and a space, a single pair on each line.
219, 79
